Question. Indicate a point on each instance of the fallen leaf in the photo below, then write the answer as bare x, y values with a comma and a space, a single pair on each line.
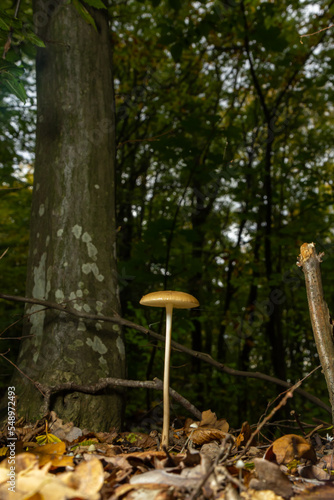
22, 462
324, 492
270, 477
147, 492
209, 419
313, 472
47, 438
260, 495
137, 439
39, 484
210, 450
87, 478
53, 453
244, 435
64, 431
288, 448
201, 436
208, 429
328, 462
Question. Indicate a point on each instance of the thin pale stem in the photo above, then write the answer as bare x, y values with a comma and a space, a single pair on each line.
165, 427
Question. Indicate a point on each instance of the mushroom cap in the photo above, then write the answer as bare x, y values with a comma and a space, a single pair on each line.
179, 300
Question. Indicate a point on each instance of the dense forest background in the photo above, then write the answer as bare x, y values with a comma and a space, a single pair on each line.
224, 168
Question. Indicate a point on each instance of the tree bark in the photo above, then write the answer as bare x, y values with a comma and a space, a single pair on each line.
73, 229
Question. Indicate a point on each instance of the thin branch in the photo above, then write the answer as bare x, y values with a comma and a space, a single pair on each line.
11, 362
103, 383
4, 253
10, 34
288, 394
196, 354
252, 69
316, 32
148, 139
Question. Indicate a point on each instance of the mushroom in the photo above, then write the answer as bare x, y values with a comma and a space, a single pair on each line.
169, 300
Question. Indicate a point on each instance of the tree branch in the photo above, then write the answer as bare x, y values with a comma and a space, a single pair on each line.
199, 355
103, 383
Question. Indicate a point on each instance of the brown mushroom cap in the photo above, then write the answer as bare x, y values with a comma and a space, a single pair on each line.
179, 300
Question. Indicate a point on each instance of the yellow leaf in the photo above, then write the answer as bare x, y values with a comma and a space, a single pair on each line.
47, 438
53, 453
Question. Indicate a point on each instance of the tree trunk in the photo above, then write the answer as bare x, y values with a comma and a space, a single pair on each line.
73, 229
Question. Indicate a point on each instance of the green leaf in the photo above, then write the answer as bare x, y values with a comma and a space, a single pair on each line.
30, 35
10, 68
84, 13
3, 25
7, 22
97, 4
14, 86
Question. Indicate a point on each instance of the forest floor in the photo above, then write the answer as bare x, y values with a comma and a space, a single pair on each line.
51, 460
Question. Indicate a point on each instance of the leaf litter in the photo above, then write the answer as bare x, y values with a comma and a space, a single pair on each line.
206, 461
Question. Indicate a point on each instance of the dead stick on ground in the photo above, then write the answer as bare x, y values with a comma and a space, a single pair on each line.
103, 383
206, 358
322, 327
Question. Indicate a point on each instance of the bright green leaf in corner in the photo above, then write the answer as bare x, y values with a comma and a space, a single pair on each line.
84, 13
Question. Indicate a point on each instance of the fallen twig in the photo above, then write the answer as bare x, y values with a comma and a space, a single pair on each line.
288, 394
103, 383
196, 354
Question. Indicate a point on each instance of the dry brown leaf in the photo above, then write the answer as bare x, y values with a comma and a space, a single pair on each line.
201, 436
209, 419
65, 432
139, 491
208, 429
38, 484
328, 462
270, 477
313, 472
87, 478
244, 435
324, 492
22, 462
288, 448
260, 495
138, 439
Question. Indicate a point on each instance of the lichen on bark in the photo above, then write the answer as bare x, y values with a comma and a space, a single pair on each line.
73, 228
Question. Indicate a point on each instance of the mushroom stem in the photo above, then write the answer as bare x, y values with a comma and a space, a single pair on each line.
165, 427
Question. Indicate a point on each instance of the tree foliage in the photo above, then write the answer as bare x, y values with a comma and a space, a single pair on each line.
224, 132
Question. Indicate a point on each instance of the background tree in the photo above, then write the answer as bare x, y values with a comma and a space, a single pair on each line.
72, 242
